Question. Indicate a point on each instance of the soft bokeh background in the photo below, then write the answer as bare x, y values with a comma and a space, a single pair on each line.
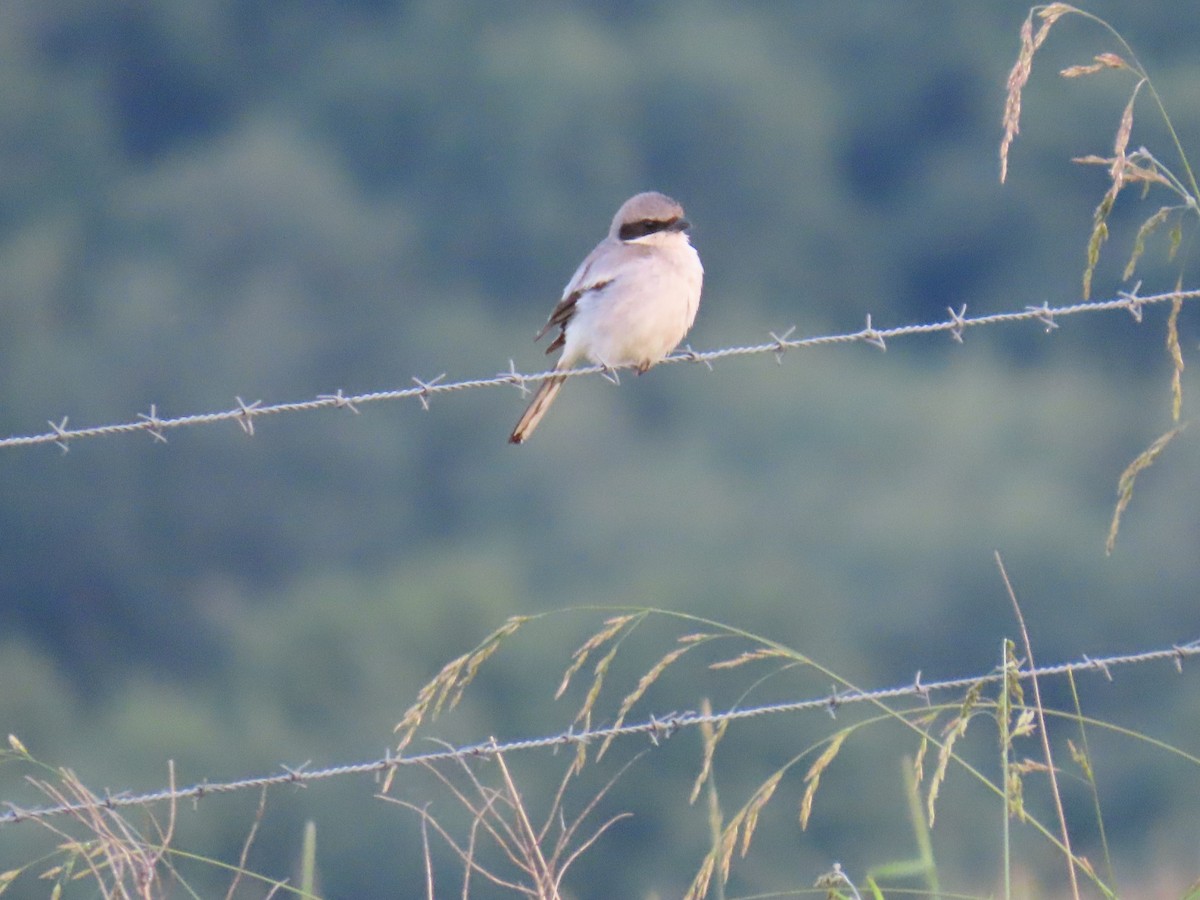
208, 198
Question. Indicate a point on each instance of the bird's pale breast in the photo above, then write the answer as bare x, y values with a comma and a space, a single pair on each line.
643, 316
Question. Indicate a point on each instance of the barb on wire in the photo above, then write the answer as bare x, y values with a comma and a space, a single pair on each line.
1045, 315
60, 435
1134, 302
512, 376
340, 400
244, 414
154, 424
960, 322
657, 729
690, 355
872, 335
780, 344
426, 387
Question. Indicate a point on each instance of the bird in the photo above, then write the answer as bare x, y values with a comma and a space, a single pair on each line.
630, 302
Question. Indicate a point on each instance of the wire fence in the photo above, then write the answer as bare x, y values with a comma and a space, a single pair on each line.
245, 414
657, 729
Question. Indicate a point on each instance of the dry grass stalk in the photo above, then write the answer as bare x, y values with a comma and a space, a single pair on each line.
1101, 61
750, 820
955, 729
1118, 176
615, 630
919, 759
1124, 167
1139, 241
1125, 483
710, 736
584, 716
1176, 354
123, 864
611, 628
1037, 703
922, 722
749, 656
446, 688
539, 856
739, 831
644, 683
1080, 758
247, 844
812, 778
1019, 76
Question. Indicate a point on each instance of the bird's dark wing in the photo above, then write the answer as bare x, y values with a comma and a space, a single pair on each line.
565, 310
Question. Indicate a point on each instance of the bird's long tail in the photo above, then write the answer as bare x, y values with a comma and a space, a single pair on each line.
537, 408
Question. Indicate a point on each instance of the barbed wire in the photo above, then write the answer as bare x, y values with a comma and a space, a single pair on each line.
245, 413
656, 728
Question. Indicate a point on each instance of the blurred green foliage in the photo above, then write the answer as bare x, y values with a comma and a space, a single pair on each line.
212, 198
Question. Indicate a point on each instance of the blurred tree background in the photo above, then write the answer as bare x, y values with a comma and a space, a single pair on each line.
208, 198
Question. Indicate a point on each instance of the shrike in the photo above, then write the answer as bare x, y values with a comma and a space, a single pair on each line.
630, 302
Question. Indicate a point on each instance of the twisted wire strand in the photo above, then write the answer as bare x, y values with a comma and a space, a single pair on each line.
244, 413
657, 729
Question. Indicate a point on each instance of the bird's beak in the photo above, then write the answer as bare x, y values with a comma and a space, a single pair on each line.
679, 225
